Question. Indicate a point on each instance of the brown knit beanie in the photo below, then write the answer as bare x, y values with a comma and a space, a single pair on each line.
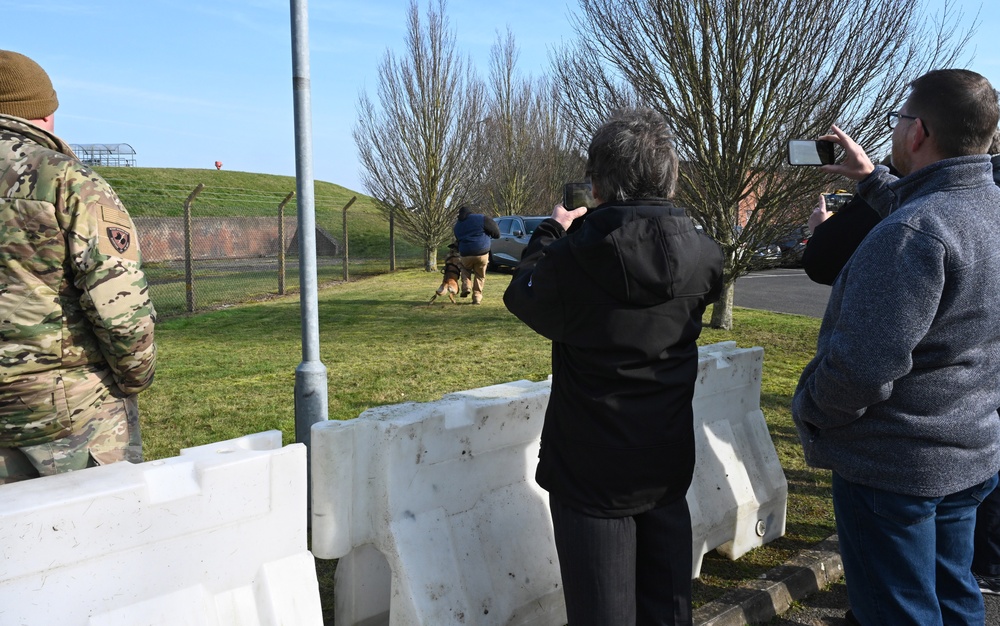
25, 88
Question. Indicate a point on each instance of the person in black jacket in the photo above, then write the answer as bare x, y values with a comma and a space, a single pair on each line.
621, 298
473, 232
835, 237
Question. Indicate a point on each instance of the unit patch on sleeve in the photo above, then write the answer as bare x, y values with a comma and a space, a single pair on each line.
115, 234
120, 239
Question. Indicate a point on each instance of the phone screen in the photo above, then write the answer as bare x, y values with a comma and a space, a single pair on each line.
835, 201
810, 152
576, 195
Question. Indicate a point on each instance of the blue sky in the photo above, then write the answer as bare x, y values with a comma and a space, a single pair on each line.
187, 83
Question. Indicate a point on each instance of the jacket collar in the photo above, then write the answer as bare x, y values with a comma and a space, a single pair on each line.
964, 171
34, 134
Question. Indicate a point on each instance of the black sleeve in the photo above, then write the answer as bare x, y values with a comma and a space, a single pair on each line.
836, 239
533, 294
490, 227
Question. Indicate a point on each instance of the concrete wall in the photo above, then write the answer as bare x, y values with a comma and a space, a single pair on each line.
431, 508
162, 238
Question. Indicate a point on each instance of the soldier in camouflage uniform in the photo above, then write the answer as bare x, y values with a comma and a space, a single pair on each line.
76, 321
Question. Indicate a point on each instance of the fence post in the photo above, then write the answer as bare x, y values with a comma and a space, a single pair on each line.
281, 243
189, 248
346, 206
392, 239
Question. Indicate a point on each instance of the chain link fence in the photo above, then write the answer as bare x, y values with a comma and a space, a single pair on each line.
206, 246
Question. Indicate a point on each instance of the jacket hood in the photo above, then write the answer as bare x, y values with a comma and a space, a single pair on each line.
645, 252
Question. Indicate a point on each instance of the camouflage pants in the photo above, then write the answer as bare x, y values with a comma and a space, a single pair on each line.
109, 436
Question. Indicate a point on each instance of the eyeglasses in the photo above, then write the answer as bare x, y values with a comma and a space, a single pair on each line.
893, 117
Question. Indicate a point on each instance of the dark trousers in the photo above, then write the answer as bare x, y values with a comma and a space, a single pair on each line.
986, 558
626, 570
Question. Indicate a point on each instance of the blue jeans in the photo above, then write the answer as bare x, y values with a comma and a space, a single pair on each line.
907, 559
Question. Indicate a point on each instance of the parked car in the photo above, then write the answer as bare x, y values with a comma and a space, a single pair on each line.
792, 246
765, 257
785, 251
515, 231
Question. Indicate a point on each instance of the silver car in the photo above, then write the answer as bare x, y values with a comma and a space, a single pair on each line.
515, 231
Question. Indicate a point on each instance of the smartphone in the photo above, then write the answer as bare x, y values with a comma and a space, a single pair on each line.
576, 195
836, 201
810, 152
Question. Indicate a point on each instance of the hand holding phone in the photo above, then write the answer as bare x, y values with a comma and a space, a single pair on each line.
810, 152
576, 195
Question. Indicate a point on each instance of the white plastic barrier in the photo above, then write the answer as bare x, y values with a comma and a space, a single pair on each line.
434, 513
433, 509
214, 537
739, 493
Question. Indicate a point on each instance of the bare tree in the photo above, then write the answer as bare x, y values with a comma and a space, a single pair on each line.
737, 79
415, 148
558, 157
526, 152
507, 158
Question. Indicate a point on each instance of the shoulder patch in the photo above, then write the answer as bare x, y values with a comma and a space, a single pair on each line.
120, 238
115, 234
115, 215
118, 242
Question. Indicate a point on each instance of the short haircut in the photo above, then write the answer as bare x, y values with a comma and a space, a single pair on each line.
632, 156
959, 109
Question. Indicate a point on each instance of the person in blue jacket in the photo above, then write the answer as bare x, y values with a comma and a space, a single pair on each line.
473, 232
834, 239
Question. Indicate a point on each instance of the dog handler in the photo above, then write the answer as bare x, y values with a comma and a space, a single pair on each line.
473, 232
622, 299
76, 321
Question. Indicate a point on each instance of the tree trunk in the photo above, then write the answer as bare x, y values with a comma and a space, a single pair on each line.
722, 310
430, 259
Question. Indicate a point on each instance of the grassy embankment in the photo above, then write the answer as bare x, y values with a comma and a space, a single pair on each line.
152, 192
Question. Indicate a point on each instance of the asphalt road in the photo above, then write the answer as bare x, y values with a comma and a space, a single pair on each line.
781, 290
791, 291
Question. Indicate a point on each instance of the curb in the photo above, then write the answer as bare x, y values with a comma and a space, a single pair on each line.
774, 592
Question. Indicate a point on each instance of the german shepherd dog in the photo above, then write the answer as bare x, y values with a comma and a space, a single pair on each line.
452, 274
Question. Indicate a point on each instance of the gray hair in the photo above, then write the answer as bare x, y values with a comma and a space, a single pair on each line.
632, 156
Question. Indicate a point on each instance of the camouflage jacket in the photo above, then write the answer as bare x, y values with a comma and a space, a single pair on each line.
72, 294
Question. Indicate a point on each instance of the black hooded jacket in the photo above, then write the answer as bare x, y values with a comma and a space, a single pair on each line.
622, 300
835, 240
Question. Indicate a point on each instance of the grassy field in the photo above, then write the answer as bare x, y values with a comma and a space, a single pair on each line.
231, 372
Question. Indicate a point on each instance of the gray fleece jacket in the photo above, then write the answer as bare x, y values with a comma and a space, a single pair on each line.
903, 392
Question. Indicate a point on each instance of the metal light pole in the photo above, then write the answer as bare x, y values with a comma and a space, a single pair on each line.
310, 376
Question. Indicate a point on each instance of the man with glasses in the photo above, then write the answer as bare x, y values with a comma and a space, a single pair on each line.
901, 399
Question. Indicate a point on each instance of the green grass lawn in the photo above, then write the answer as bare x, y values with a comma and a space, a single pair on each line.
231, 372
